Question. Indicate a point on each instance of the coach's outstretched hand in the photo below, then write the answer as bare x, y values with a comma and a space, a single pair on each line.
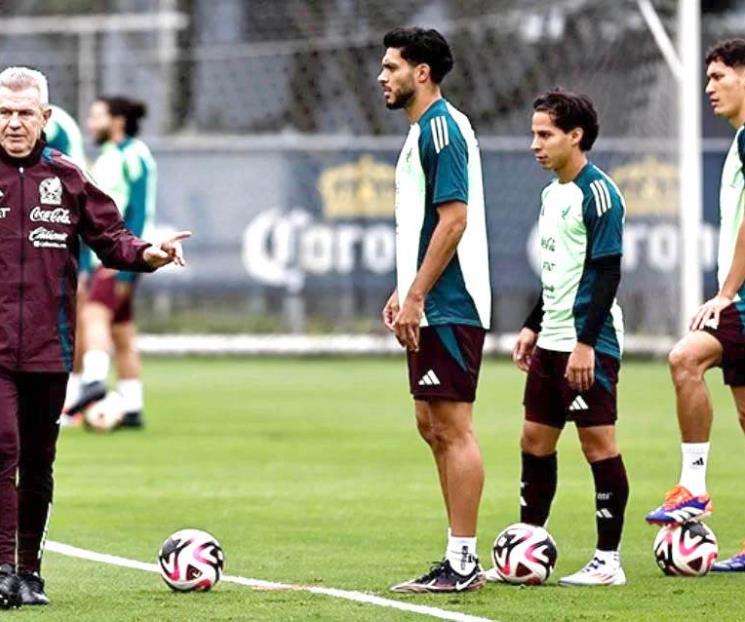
169, 251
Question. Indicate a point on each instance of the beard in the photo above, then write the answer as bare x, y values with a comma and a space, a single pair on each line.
401, 100
101, 137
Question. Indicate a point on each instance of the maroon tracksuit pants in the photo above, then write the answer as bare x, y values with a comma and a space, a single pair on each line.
30, 407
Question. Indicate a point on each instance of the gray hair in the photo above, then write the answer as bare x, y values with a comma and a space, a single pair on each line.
17, 78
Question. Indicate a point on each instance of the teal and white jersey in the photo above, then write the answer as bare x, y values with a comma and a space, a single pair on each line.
127, 173
439, 163
63, 134
731, 201
580, 221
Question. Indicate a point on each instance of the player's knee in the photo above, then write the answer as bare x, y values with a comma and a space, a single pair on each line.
534, 443
426, 431
684, 364
448, 435
598, 448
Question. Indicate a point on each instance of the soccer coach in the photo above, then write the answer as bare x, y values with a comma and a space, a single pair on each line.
46, 202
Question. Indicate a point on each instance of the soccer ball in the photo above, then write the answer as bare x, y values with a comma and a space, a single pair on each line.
524, 554
106, 414
687, 550
191, 560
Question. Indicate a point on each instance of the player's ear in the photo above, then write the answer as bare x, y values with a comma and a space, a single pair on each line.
576, 134
46, 113
422, 72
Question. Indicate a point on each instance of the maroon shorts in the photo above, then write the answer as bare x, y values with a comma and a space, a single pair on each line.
447, 365
730, 334
103, 291
551, 401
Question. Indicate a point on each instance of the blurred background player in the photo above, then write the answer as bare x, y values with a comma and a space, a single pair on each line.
63, 134
441, 308
717, 336
125, 169
571, 343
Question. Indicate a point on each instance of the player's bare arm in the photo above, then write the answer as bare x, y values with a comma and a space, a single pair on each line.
711, 309
441, 249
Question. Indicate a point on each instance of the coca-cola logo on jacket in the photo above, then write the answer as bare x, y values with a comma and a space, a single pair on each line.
58, 215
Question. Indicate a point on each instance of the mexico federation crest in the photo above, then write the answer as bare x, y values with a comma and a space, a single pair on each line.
50, 191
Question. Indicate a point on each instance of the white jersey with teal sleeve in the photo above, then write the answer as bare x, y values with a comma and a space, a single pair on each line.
127, 173
580, 221
731, 201
439, 163
63, 134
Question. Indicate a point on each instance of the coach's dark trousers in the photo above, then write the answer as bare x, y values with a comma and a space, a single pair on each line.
30, 408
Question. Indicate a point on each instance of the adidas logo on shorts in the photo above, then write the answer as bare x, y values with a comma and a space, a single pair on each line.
429, 379
579, 404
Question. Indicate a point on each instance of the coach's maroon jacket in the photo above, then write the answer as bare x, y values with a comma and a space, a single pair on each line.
46, 202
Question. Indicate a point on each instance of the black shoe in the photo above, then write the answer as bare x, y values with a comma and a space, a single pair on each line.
31, 589
442, 578
89, 393
132, 420
9, 586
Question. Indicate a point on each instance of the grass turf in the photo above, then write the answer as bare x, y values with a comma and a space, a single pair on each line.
310, 471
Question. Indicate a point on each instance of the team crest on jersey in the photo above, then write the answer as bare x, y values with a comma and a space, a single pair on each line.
50, 191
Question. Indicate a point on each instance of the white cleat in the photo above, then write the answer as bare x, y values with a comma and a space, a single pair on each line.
596, 572
492, 576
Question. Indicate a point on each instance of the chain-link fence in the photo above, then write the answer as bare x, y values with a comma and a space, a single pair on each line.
275, 147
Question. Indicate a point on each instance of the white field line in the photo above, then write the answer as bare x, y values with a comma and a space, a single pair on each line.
359, 597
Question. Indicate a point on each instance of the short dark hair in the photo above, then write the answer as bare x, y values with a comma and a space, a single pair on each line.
569, 111
730, 51
419, 45
130, 109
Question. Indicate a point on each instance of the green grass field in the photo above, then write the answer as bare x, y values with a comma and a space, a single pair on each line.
311, 472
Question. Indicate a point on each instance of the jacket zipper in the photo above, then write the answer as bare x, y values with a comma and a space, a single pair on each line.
23, 265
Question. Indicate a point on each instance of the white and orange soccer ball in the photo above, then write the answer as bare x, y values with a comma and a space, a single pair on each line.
686, 550
524, 554
191, 560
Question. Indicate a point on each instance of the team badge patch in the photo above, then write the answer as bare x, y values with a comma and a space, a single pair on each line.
50, 191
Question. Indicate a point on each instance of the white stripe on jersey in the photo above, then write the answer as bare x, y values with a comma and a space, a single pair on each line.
440, 135
602, 196
446, 138
606, 193
436, 135
597, 198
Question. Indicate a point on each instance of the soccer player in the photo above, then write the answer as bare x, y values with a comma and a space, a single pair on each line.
125, 170
63, 134
46, 203
717, 335
570, 345
441, 307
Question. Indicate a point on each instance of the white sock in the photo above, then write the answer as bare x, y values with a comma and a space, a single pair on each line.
693, 469
73, 389
461, 554
611, 558
450, 535
131, 392
95, 366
